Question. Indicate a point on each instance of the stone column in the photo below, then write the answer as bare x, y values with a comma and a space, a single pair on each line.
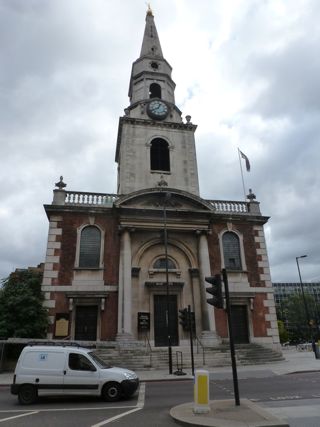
120, 293
125, 293
127, 302
209, 335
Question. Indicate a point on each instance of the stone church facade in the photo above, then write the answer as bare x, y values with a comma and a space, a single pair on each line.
120, 266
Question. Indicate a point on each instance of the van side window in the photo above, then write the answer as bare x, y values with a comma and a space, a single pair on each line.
78, 362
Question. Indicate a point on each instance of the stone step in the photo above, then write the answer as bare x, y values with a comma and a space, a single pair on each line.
141, 358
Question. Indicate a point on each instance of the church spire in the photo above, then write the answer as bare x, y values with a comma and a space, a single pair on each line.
155, 148
151, 43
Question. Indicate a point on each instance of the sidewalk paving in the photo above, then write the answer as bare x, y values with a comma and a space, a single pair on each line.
295, 361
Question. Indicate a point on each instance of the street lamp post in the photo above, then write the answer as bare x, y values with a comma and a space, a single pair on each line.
302, 290
306, 307
166, 197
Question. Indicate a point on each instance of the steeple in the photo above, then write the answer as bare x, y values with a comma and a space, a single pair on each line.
151, 43
154, 144
150, 67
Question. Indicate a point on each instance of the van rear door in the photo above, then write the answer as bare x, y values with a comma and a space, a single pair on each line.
81, 376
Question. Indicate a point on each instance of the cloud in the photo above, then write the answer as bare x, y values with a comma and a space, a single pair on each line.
246, 71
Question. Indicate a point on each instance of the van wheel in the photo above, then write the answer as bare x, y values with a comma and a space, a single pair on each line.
27, 394
111, 392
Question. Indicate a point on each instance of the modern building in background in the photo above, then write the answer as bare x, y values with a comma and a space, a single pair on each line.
120, 266
284, 290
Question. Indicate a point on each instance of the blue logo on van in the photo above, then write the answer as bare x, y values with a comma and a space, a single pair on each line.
43, 357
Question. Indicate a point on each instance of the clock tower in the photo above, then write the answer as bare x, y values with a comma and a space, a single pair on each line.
154, 144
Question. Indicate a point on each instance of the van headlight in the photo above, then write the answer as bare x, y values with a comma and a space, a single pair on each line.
130, 375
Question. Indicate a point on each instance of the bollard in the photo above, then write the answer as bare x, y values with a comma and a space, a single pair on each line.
201, 392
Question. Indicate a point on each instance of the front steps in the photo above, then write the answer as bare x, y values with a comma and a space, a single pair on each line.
255, 354
144, 359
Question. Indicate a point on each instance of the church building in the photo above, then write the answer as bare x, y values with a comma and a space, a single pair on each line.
119, 267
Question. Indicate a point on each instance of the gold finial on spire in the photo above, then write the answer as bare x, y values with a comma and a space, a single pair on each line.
149, 11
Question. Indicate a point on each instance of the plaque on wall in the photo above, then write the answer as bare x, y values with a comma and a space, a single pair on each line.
143, 321
61, 325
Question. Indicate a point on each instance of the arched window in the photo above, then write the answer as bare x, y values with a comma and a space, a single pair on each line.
231, 251
159, 155
155, 90
90, 245
161, 264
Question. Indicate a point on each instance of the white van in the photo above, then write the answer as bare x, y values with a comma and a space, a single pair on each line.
61, 370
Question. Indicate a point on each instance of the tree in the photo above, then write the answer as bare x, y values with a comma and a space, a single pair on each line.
21, 312
283, 333
299, 329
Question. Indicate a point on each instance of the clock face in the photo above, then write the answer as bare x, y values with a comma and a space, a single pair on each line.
157, 110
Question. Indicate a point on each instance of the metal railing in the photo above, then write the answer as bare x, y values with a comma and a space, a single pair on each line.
199, 344
148, 345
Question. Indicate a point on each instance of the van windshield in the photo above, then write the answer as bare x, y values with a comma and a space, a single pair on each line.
100, 362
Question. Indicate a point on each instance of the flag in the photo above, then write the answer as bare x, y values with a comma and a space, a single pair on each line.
246, 160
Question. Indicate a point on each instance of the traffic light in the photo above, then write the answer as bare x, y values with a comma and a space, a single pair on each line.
183, 316
215, 290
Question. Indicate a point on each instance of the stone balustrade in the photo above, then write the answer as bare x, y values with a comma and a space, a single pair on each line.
228, 206
80, 198
93, 199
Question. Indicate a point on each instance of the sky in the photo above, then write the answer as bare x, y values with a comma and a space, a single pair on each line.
247, 71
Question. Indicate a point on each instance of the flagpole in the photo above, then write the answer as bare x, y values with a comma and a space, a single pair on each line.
244, 189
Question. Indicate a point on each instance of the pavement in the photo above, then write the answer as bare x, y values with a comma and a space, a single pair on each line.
295, 361
224, 413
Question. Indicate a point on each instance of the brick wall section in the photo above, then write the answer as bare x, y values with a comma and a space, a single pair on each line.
52, 261
72, 221
259, 323
221, 323
264, 321
262, 256
249, 244
214, 248
109, 317
265, 304
60, 263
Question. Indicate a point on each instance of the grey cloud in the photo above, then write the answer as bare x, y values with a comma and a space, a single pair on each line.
291, 75
65, 69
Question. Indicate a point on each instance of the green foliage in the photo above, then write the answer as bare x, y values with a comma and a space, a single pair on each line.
295, 314
283, 333
21, 311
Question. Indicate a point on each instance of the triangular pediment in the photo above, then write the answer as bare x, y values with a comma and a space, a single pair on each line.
156, 198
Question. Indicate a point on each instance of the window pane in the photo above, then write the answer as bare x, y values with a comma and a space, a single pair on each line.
231, 251
90, 243
78, 362
161, 263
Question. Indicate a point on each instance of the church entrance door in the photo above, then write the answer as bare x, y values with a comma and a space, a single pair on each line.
239, 322
160, 320
86, 322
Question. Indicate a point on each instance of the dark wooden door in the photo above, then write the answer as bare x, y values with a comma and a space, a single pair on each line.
239, 322
86, 322
160, 320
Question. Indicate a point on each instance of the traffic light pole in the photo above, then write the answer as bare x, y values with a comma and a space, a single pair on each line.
231, 340
191, 342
